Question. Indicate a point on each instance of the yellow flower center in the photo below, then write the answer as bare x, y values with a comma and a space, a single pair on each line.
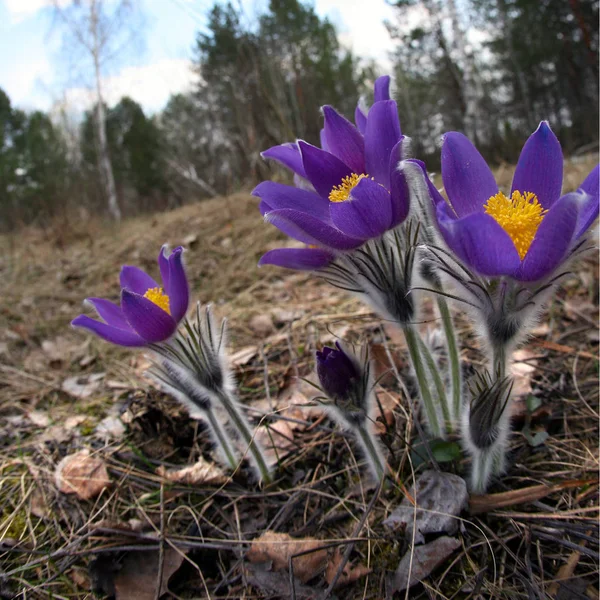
520, 216
340, 193
159, 298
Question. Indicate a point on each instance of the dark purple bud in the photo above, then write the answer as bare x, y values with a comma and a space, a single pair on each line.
338, 373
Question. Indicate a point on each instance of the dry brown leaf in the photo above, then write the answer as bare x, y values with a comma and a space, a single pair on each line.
74, 421
243, 357
279, 547
39, 418
350, 573
276, 440
202, 472
440, 498
522, 371
138, 577
38, 505
82, 386
420, 562
81, 474
111, 427
262, 325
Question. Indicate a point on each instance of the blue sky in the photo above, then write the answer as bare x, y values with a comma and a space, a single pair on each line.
36, 74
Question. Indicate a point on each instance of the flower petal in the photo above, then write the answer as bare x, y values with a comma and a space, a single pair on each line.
366, 214
588, 212
136, 280
468, 180
308, 229
540, 166
288, 155
360, 118
163, 265
323, 139
552, 240
302, 259
381, 135
399, 188
110, 313
149, 320
323, 169
479, 241
277, 195
111, 334
382, 88
344, 140
178, 288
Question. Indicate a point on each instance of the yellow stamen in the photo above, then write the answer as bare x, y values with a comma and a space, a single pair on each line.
340, 193
520, 216
159, 298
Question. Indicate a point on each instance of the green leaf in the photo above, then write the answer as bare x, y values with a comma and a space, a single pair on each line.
532, 403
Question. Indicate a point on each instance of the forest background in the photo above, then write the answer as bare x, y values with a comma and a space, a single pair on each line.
490, 68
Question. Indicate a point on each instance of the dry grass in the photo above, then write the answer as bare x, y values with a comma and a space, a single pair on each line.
54, 545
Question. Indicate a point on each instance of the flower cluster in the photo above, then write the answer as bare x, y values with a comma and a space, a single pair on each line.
373, 223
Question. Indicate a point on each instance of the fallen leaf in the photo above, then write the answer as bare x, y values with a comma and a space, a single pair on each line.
420, 562
81, 474
39, 418
276, 584
440, 498
262, 325
111, 427
82, 386
38, 505
74, 421
282, 316
350, 573
202, 472
279, 547
135, 576
243, 357
276, 439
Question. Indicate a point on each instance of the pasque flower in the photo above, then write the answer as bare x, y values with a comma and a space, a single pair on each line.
346, 380
355, 191
149, 313
526, 235
343, 379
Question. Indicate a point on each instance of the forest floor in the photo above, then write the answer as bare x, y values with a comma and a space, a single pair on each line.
151, 528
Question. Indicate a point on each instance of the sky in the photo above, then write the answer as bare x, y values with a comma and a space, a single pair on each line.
37, 72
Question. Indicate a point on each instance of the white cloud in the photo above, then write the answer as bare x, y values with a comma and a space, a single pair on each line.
360, 26
20, 10
149, 85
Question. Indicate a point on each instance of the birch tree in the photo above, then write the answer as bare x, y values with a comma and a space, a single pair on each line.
100, 31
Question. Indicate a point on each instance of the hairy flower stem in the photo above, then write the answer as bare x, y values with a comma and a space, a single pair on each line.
437, 381
370, 448
222, 439
239, 422
411, 337
453, 357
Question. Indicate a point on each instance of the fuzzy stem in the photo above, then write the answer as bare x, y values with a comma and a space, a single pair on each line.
221, 437
453, 356
437, 381
370, 448
415, 356
242, 427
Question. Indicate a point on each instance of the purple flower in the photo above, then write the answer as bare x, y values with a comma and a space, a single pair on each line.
526, 236
355, 192
148, 313
338, 373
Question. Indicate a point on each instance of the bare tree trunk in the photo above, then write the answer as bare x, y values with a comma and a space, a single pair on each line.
106, 172
471, 91
521, 80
